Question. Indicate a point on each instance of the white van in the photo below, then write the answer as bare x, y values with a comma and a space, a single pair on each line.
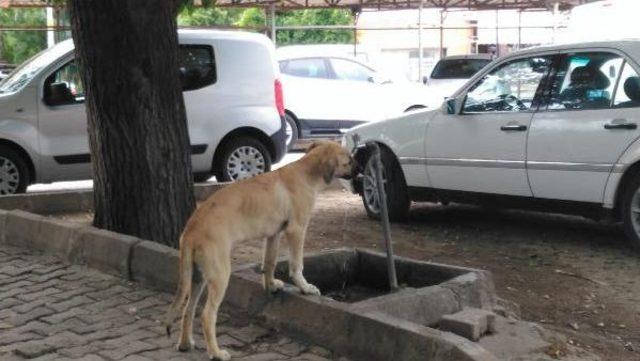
232, 94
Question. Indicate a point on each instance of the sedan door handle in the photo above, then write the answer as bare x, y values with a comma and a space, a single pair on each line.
620, 124
513, 128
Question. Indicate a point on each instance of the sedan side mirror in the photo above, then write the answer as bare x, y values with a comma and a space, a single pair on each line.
450, 106
425, 80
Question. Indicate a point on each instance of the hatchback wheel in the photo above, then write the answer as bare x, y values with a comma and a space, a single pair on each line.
398, 201
14, 172
242, 158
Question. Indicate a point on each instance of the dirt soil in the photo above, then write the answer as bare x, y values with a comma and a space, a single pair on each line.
575, 276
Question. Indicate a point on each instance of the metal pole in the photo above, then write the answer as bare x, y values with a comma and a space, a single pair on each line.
519, 28
272, 12
442, 33
51, 40
355, 42
556, 8
384, 215
420, 51
497, 38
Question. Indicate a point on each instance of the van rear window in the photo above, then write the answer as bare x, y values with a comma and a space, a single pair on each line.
197, 66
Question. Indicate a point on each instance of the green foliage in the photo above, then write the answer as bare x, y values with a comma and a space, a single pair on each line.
255, 18
18, 46
315, 17
207, 16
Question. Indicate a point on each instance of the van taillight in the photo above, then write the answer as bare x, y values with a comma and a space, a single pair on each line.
279, 97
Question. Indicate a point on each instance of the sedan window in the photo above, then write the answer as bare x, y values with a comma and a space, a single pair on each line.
350, 70
628, 90
511, 87
584, 81
305, 68
458, 68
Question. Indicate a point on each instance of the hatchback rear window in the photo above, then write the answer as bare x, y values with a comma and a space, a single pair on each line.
458, 68
197, 66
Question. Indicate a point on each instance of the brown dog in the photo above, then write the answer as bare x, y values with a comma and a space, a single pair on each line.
265, 206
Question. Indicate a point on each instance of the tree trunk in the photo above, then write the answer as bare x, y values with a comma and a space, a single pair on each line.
128, 53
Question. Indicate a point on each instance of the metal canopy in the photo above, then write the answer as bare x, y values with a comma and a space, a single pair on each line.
409, 4
366, 4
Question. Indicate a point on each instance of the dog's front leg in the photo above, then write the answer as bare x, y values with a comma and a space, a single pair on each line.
295, 237
270, 283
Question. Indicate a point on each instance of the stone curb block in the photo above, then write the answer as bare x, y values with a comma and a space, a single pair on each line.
76, 201
470, 323
155, 265
49, 202
3, 222
106, 251
21, 228
59, 237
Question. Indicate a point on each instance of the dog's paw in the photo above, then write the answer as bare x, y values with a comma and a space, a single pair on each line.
185, 347
222, 355
275, 286
310, 289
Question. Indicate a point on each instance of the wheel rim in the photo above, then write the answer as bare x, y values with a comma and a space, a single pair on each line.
245, 162
635, 211
370, 187
9, 176
289, 132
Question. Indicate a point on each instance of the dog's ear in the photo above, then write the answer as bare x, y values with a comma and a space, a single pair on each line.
329, 169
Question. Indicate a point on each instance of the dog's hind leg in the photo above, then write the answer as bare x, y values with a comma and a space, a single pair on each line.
216, 274
269, 264
186, 331
295, 237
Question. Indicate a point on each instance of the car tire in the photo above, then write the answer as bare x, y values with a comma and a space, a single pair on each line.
630, 218
241, 158
14, 172
398, 201
292, 131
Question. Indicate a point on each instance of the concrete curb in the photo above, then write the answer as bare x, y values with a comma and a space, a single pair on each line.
369, 334
3, 221
155, 265
76, 201
106, 251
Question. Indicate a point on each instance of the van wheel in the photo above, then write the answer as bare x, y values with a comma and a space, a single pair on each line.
291, 130
201, 177
398, 202
241, 158
14, 172
631, 211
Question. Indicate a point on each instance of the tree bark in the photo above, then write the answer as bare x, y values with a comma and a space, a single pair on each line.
139, 141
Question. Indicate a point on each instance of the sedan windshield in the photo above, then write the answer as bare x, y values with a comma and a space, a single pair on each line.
458, 68
25, 72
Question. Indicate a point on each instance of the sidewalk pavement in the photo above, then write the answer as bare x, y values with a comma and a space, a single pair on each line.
50, 310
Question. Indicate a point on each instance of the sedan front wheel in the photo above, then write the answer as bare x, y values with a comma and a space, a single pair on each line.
631, 211
398, 201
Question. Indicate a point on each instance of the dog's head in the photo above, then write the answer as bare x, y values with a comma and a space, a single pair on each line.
333, 160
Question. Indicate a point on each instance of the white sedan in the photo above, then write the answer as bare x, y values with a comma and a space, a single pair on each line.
325, 94
550, 128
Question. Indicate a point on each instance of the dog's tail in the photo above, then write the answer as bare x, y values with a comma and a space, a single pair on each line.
184, 284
